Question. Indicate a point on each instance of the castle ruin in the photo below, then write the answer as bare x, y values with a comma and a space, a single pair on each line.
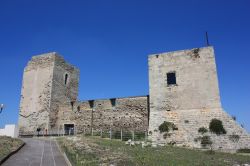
183, 90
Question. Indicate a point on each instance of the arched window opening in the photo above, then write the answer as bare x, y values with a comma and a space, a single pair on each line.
66, 79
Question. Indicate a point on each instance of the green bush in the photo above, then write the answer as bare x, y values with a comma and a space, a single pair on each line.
243, 150
166, 135
205, 141
202, 130
234, 137
166, 126
216, 127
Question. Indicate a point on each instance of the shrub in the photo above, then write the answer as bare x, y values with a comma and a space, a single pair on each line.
197, 139
166, 126
205, 141
202, 130
216, 127
243, 150
234, 137
166, 135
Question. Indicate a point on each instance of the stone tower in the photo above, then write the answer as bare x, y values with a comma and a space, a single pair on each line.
184, 91
48, 82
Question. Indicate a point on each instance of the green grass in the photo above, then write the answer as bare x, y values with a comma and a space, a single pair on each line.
8, 145
96, 151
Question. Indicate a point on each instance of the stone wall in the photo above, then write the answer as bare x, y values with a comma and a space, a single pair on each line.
64, 88
44, 89
36, 93
50, 90
192, 102
119, 113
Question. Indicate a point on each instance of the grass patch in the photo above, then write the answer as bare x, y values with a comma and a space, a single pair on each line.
243, 151
8, 145
96, 151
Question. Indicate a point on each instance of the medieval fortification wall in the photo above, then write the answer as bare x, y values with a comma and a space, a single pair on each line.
183, 88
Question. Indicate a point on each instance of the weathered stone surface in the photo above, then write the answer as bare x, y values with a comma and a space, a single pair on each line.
50, 89
43, 91
127, 113
192, 102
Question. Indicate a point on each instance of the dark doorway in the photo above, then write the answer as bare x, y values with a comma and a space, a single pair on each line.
69, 129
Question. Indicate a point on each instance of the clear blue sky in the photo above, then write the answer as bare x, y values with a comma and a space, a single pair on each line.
109, 41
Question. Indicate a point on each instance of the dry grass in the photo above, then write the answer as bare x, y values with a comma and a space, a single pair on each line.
8, 145
99, 151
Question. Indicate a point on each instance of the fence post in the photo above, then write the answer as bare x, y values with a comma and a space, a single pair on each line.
101, 133
133, 135
146, 135
121, 134
110, 133
92, 132
76, 158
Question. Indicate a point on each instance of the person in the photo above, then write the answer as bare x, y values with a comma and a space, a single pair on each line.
38, 131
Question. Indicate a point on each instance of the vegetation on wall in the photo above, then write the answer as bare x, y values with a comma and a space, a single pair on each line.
234, 137
166, 126
206, 141
217, 127
202, 130
243, 150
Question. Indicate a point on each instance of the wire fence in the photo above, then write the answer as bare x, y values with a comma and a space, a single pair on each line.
122, 134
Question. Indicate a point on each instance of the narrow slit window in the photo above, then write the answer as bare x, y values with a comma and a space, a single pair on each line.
171, 78
66, 79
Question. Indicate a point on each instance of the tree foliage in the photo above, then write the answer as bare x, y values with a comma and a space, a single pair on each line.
217, 127
166, 126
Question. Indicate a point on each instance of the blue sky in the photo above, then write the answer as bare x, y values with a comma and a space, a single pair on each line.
109, 40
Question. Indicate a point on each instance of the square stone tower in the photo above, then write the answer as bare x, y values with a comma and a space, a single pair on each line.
48, 82
184, 91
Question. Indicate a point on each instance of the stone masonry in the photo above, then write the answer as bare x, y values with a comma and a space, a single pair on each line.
191, 101
183, 87
44, 90
129, 113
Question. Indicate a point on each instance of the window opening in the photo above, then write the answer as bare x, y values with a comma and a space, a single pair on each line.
66, 79
171, 78
113, 102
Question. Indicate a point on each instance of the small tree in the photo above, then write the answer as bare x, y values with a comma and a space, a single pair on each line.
166, 126
206, 141
217, 127
235, 139
202, 130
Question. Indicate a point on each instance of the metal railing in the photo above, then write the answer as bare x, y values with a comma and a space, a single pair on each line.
122, 134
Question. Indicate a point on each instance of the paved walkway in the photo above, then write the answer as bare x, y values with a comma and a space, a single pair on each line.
37, 152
